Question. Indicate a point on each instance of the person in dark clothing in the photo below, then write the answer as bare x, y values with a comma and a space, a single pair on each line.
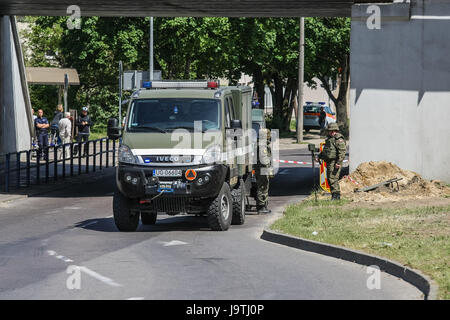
41, 125
54, 125
84, 124
322, 117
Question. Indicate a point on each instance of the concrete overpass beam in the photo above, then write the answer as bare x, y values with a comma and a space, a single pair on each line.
400, 87
15, 110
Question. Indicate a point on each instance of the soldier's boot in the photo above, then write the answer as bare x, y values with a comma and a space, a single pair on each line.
263, 210
336, 196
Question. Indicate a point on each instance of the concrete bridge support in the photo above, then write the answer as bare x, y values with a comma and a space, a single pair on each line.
400, 86
16, 126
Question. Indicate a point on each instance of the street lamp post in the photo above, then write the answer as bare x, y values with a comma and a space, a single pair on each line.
151, 50
120, 90
301, 63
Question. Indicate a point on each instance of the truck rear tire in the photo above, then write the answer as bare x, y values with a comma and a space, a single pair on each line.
238, 195
220, 211
124, 218
148, 218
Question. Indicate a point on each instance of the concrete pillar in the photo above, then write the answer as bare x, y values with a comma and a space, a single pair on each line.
15, 132
400, 86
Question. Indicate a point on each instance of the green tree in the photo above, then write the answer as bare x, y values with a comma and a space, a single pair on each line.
268, 51
194, 48
327, 52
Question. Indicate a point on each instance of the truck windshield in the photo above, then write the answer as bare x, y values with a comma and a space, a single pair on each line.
165, 114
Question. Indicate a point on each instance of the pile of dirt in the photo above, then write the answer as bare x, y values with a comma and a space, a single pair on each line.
412, 185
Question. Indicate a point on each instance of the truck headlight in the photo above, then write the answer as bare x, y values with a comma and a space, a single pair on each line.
213, 154
125, 155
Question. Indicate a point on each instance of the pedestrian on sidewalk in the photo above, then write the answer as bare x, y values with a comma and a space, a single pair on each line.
65, 132
41, 125
333, 154
84, 124
322, 118
54, 125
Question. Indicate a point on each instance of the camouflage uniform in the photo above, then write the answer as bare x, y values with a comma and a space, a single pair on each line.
263, 176
334, 153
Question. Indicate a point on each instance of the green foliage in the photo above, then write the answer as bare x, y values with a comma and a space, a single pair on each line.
327, 44
44, 97
185, 48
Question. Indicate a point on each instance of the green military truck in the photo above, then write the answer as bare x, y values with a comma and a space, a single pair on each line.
178, 153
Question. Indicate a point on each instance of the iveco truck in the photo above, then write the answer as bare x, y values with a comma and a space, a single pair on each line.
185, 149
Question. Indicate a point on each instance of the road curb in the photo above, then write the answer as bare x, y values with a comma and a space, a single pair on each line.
414, 277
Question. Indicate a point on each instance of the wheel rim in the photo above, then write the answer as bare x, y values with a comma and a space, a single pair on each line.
224, 207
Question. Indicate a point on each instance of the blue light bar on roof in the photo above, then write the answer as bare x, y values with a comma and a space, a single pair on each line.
147, 84
180, 84
308, 102
322, 103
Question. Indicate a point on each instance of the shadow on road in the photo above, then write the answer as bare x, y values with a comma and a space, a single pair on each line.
164, 224
178, 223
292, 181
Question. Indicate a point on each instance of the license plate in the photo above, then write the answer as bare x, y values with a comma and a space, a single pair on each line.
165, 186
167, 173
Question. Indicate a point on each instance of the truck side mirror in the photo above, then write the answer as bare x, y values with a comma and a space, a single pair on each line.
113, 129
236, 124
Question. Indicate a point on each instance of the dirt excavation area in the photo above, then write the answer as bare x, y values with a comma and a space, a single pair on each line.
411, 190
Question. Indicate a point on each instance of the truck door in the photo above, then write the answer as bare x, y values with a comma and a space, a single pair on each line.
231, 143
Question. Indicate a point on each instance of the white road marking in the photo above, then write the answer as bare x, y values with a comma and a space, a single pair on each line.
173, 243
88, 271
136, 298
72, 208
99, 277
109, 216
418, 17
52, 212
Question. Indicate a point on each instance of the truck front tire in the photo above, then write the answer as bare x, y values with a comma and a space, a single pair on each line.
220, 211
148, 218
124, 218
238, 195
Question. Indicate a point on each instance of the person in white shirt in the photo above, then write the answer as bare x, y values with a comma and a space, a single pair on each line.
65, 131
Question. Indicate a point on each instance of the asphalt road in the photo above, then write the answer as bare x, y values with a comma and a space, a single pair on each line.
178, 258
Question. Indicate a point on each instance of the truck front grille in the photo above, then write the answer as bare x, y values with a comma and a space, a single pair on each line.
170, 204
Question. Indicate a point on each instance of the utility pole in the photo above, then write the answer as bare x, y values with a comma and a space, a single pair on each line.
301, 64
66, 89
151, 50
120, 91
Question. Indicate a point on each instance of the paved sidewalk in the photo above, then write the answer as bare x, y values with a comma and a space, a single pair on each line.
68, 182
291, 143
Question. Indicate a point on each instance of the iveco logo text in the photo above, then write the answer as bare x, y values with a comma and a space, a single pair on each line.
167, 158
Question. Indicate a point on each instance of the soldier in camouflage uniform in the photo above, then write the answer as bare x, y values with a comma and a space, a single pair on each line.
333, 154
263, 172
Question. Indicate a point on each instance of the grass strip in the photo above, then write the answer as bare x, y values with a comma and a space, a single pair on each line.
416, 237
